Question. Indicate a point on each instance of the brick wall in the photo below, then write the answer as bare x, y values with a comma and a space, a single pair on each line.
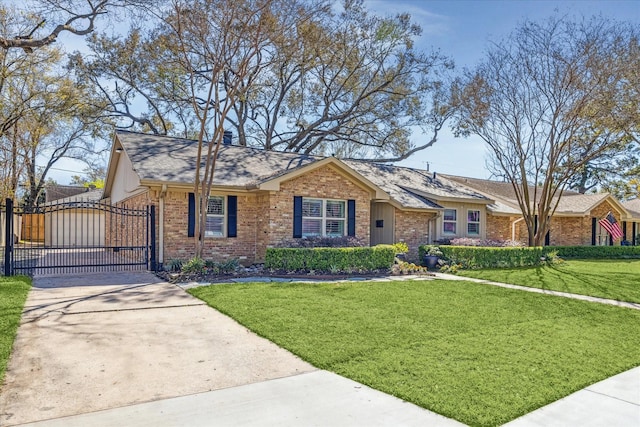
128, 226
178, 245
499, 227
412, 228
564, 231
322, 183
264, 219
570, 231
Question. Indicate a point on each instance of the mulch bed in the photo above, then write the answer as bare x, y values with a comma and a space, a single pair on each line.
173, 277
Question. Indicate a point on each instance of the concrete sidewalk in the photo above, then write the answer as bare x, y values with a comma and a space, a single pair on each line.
317, 398
612, 402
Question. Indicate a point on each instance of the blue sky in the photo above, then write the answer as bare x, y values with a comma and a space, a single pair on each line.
462, 30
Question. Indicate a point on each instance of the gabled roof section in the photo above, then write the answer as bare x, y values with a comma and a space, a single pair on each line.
86, 196
167, 159
273, 183
158, 159
633, 208
414, 188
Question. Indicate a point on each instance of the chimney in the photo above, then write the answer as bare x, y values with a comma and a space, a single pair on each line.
227, 138
434, 175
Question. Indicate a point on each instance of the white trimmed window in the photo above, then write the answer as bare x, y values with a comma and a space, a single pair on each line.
449, 221
323, 217
473, 222
215, 217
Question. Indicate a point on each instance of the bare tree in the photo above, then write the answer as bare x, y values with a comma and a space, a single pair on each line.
217, 44
348, 83
545, 100
44, 20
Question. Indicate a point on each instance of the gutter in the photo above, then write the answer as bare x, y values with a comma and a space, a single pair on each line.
163, 193
513, 227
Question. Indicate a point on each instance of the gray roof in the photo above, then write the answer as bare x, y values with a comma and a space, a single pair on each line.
570, 202
170, 159
580, 203
56, 191
633, 206
413, 188
86, 196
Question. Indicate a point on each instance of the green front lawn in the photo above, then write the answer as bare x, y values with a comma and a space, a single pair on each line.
480, 354
13, 294
614, 279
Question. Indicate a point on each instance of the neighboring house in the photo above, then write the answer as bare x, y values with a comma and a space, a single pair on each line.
56, 191
74, 221
574, 223
264, 198
631, 227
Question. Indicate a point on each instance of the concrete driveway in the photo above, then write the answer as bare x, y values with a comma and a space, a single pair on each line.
99, 341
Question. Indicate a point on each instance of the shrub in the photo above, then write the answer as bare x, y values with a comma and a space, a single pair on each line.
330, 259
404, 267
400, 247
322, 242
598, 252
174, 265
194, 266
465, 241
490, 257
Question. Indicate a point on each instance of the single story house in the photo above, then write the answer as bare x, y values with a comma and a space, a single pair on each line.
262, 198
574, 223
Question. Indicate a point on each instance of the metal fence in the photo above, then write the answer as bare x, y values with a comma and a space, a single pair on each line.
77, 236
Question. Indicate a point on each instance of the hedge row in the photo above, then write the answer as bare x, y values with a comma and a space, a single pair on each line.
598, 252
330, 259
492, 257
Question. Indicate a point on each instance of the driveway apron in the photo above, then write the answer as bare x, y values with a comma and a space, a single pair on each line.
97, 341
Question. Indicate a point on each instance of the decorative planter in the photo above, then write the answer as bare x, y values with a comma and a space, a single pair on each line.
431, 261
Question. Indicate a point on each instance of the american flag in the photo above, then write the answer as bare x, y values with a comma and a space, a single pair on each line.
610, 224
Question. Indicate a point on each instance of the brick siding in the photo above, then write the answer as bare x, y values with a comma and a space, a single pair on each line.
412, 228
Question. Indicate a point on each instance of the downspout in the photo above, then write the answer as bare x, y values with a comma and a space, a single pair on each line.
513, 228
163, 193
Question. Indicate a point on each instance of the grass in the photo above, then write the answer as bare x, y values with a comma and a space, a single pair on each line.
480, 354
613, 279
13, 294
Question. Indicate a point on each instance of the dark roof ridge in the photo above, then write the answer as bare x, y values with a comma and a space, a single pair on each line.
427, 174
264, 150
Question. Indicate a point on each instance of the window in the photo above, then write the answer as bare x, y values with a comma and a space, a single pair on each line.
449, 221
322, 217
473, 222
215, 217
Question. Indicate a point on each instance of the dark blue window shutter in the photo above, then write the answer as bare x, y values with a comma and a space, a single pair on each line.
593, 231
297, 217
191, 227
232, 216
351, 217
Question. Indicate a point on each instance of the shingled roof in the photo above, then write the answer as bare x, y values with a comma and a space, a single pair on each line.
168, 159
633, 207
157, 158
571, 202
414, 188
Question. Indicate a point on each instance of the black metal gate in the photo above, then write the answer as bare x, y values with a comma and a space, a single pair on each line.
76, 236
